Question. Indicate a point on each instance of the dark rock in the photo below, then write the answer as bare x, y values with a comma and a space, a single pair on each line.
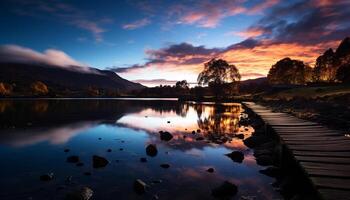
47, 177
198, 130
271, 171
121, 149
109, 150
80, 164
225, 191
165, 166
73, 159
193, 132
99, 138
83, 193
168, 122
240, 136
98, 161
143, 159
151, 150
210, 170
69, 179
66, 150
236, 156
256, 140
166, 136
140, 186
184, 136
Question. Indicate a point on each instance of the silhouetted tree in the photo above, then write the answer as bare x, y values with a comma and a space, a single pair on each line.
218, 73
290, 72
182, 84
343, 73
39, 88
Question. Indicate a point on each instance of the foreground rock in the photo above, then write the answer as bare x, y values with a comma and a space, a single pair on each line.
47, 177
151, 150
236, 156
83, 193
140, 186
166, 136
225, 191
98, 161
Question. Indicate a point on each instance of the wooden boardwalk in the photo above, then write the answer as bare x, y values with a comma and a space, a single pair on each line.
322, 153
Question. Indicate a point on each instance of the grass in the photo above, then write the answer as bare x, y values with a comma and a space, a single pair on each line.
309, 92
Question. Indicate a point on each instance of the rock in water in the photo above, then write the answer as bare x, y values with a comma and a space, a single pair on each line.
151, 150
236, 156
210, 170
83, 193
240, 136
98, 161
225, 191
140, 186
47, 177
73, 159
143, 159
166, 136
165, 166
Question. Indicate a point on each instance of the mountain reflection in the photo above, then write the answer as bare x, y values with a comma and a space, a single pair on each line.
27, 122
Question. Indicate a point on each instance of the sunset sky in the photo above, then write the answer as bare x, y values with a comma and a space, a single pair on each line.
165, 41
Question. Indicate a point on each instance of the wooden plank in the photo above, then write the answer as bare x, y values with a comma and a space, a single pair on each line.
326, 166
325, 142
333, 194
328, 173
326, 148
323, 159
335, 183
321, 154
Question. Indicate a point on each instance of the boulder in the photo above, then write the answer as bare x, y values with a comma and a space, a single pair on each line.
166, 136
151, 150
83, 193
98, 161
225, 190
210, 170
140, 187
165, 166
236, 156
47, 177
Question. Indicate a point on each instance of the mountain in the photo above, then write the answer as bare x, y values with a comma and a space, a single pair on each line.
254, 85
63, 80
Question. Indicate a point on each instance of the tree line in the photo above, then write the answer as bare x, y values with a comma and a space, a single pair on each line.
331, 67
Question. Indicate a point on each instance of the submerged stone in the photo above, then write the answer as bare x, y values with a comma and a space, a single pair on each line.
98, 161
236, 156
151, 150
165, 166
143, 159
83, 193
66, 150
166, 136
140, 186
225, 191
47, 177
240, 136
210, 170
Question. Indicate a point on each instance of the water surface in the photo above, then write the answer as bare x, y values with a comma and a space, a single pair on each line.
35, 133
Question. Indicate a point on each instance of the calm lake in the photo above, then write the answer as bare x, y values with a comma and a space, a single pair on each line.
37, 137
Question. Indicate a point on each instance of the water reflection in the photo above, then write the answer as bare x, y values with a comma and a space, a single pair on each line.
37, 132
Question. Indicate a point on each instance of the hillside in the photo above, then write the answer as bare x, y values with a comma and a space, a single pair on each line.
63, 81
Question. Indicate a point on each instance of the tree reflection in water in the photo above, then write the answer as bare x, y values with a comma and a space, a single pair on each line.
219, 122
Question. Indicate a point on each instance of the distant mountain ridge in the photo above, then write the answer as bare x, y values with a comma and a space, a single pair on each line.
59, 79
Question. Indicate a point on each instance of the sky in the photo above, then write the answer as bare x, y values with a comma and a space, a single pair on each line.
160, 42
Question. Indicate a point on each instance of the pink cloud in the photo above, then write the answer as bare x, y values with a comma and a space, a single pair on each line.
136, 24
